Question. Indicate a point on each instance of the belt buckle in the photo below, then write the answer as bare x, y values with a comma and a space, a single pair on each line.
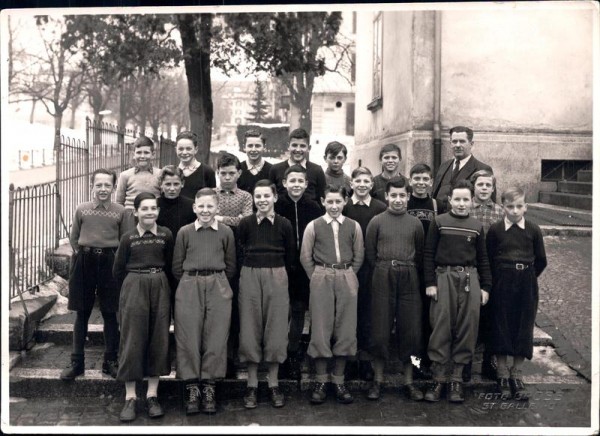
394, 262
520, 266
153, 270
336, 265
97, 250
460, 269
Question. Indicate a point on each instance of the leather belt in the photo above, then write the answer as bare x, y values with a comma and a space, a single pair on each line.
517, 266
204, 272
97, 250
335, 265
146, 271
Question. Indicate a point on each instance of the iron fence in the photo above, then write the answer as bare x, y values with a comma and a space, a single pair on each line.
32, 228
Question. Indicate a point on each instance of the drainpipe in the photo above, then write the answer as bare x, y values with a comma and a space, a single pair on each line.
437, 90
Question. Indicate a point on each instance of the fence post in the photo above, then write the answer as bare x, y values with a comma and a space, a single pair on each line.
58, 160
11, 254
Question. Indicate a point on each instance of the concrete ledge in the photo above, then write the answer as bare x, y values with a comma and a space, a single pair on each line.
565, 231
22, 328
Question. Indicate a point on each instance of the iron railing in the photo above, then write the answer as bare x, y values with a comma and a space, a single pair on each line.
32, 229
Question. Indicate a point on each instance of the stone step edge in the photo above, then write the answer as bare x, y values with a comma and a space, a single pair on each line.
559, 208
390, 380
540, 337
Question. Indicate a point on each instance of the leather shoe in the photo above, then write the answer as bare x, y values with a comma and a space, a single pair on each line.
319, 393
374, 392
342, 395
414, 393
110, 367
504, 388
456, 394
155, 410
365, 370
250, 399
128, 412
75, 368
277, 397
518, 389
434, 392
192, 392
208, 399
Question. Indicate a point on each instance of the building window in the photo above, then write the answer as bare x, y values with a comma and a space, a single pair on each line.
377, 100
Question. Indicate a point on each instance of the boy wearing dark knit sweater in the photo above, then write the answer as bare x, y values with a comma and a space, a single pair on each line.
97, 227
332, 253
336, 154
203, 262
394, 248
299, 210
457, 278
362, 208
255, 168
268, 249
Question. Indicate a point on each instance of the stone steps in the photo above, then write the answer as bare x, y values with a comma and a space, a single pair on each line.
575, 194
577, 201
583, 188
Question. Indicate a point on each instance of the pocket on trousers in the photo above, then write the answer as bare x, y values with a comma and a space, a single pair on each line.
352, 281
223, 286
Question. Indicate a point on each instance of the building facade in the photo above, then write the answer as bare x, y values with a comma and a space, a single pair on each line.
521, 78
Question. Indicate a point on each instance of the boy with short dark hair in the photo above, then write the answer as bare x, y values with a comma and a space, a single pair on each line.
455, 263
299, 210
203, 262
298, 147
175, 210
390, 157
394, 247
268, 247
143, 177
332, 253
97, 228
196, 174
335, 156
362, 208
255, 168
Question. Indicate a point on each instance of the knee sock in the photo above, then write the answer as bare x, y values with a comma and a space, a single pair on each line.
80, 329
130, 390
253, 374
457, 372
408, 372
321, 370
378, 366
338, 371
515, 371
502, 370
273, 378
111, 335
152, 387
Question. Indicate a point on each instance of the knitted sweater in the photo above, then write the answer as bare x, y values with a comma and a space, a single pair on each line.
392, 236
267, 245
234, 205
204, 249
132, 183
143, 252
97, 225
299, 213
203, 177
338, 179
318, 245
457, 241
175, 213
247, 180
314, 175
422, 208
379, 184
362, 213
516, 245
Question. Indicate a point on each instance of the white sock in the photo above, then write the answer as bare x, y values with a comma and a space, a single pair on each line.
152, 387
130, 390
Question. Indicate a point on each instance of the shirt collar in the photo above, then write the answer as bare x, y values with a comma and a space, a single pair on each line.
142, 231
463, 161
302, 164
148, 168
97, 204
328, 219
367, 201
214, 225
194, 165
256, 167
508, 224
488, 203
270, 217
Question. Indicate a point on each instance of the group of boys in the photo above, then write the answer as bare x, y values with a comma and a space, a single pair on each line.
275, 241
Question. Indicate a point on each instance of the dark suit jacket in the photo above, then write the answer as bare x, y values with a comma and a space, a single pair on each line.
465, 173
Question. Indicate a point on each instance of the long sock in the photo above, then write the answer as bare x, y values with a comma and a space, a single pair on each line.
130, 390
340, 366
80, 329
111, 335
152, 387
515, 371
252, 374
378, 366
408, 372
321, 370
273, 374
502, 370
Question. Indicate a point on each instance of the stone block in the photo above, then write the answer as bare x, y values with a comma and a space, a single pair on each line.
22, 328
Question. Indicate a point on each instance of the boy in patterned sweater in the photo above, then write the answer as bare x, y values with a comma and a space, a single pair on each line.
457, 278
97, 227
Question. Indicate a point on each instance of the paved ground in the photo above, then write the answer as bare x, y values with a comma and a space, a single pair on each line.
549, 406
566, 297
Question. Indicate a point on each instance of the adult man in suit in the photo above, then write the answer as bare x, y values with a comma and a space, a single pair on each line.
461, 167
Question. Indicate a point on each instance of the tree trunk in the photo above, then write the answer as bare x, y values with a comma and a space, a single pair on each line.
32, 113
58, 116
196, 49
